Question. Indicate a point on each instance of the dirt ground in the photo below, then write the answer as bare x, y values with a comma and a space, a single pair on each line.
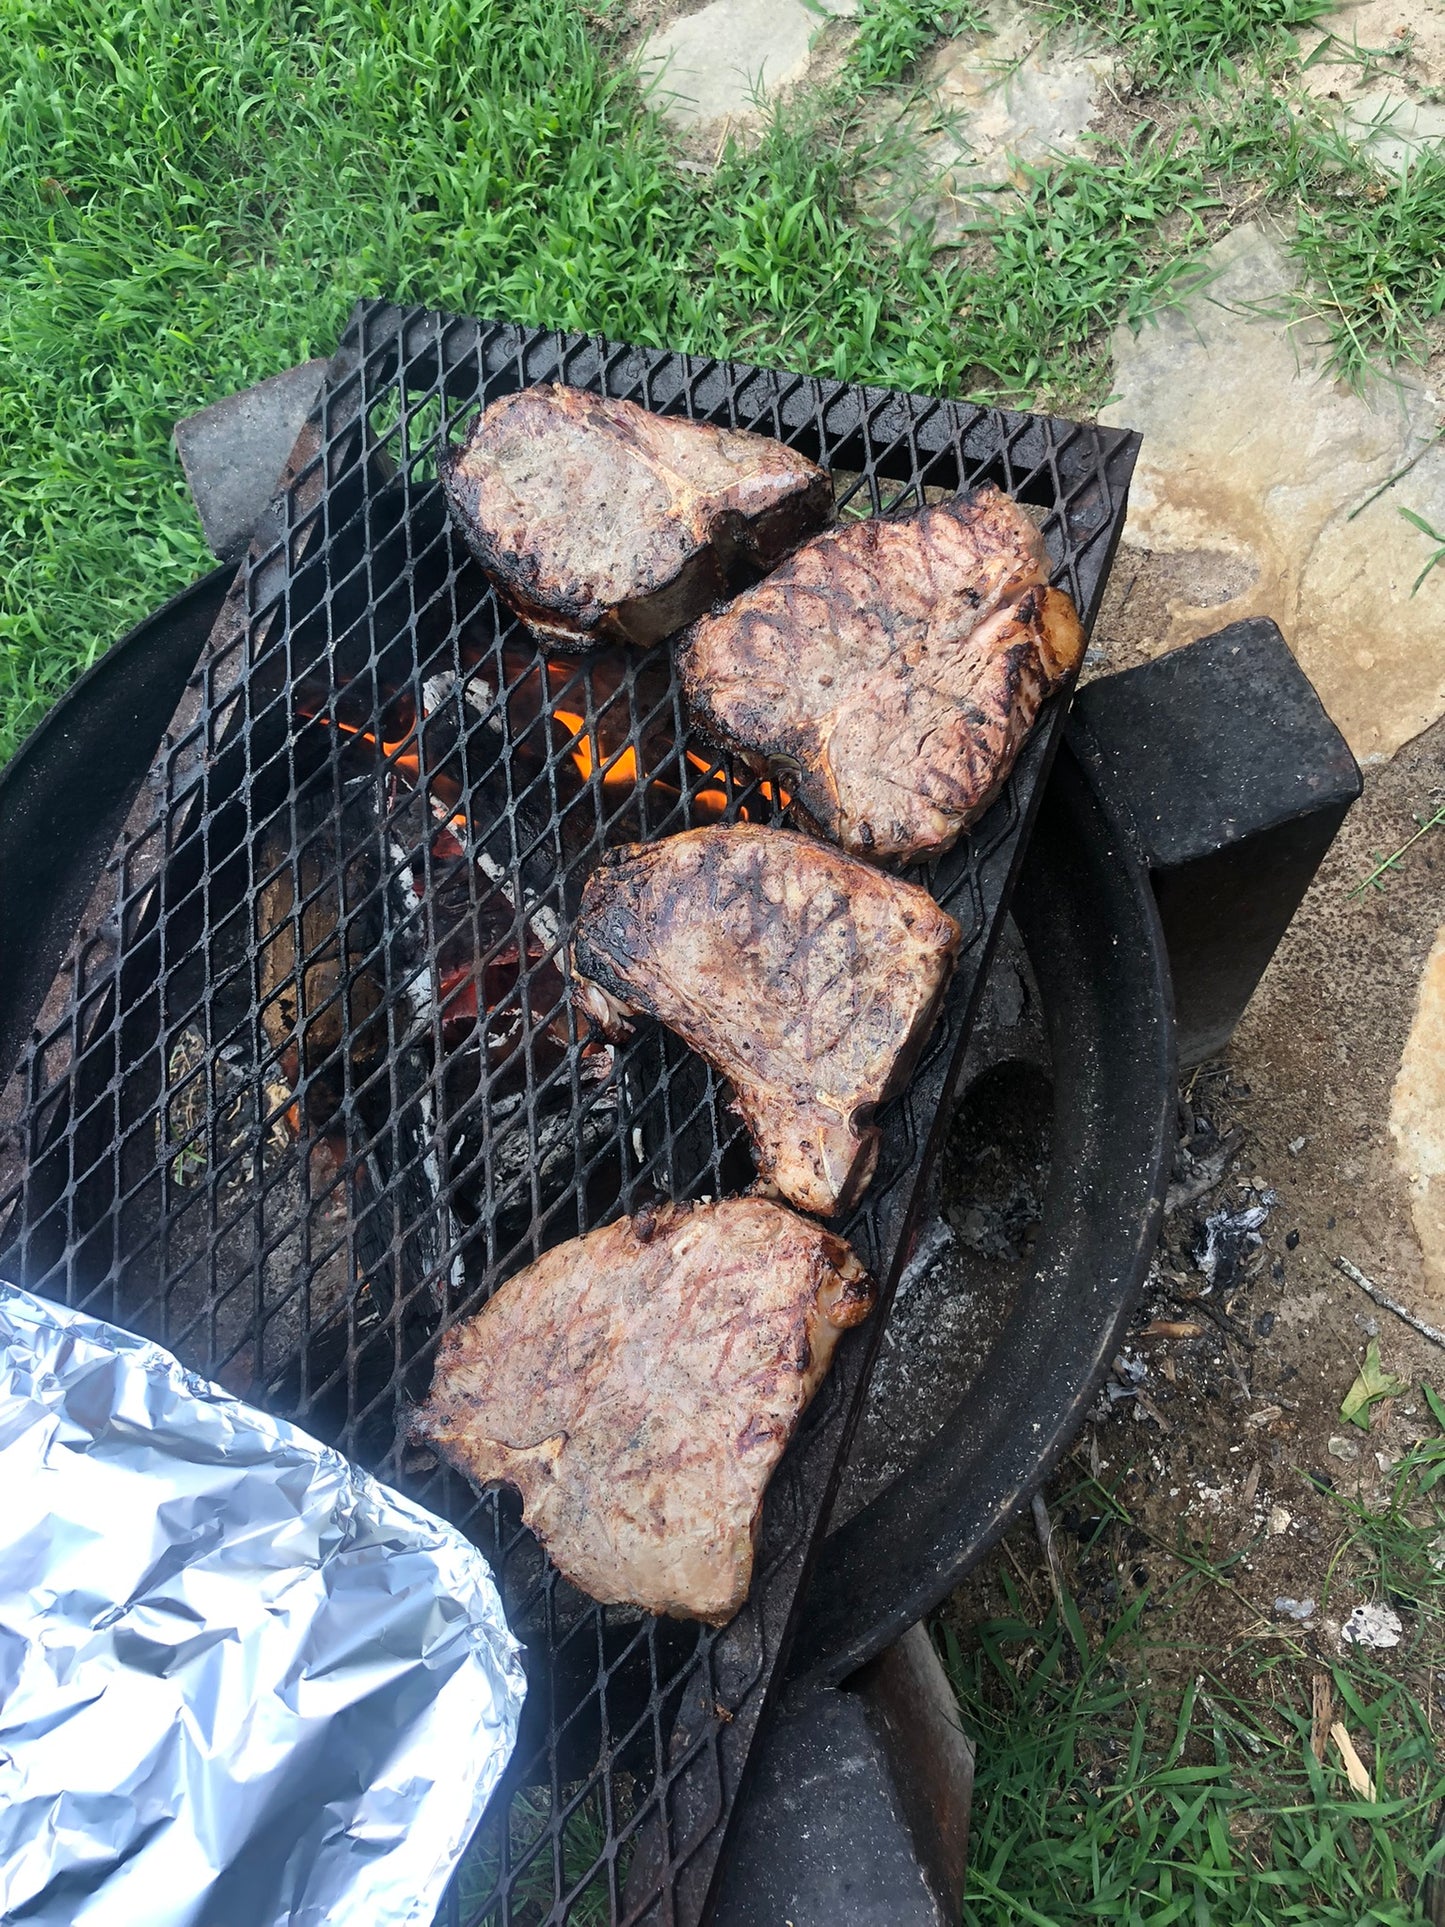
1223, 1415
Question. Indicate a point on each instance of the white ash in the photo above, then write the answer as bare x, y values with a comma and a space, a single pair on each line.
1374, 1626
1228, 1235
933, 1241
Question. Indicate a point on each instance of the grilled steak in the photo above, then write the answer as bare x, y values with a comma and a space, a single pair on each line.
808, 979
893, 667
602, 522
638, 1386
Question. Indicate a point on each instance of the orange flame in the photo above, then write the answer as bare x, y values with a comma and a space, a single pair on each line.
779, 795
622, 770
407, 760
714, 801
718, 799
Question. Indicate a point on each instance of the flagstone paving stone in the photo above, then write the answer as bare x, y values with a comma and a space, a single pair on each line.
989, 101
1253, 453
723, 62
1417, 1115
1370, 41
1393, 127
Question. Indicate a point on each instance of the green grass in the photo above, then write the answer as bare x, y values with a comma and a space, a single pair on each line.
1120, 1780
1081, 251
893, 33
1374, 251
1084, 1813
1168, 40
1431, 534
191, 198
806, 278
1370, 245
532, 1890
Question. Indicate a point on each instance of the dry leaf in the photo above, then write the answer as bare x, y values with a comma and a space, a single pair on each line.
1372, 1382
1171, 1328
1355, 1768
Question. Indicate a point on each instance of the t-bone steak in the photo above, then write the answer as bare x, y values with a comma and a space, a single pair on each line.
638, 1385
602, 522
891, 670
808, 979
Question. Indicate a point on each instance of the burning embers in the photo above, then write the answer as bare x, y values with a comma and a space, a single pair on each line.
413, 898
470, 807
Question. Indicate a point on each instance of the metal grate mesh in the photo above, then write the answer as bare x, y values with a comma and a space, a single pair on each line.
309, 1086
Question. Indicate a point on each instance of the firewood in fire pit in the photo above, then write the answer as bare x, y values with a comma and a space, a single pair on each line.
602, 522
512, 1162
319, 931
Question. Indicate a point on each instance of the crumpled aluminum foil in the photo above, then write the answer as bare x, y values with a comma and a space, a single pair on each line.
241, 1682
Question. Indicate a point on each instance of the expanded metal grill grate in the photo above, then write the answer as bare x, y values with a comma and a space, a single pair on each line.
309, 1087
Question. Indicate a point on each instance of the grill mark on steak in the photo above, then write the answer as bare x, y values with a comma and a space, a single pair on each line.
893, 668
806, 978
600, 521
638, 1385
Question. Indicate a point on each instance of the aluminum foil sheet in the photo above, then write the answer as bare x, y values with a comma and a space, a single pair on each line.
241, 1682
